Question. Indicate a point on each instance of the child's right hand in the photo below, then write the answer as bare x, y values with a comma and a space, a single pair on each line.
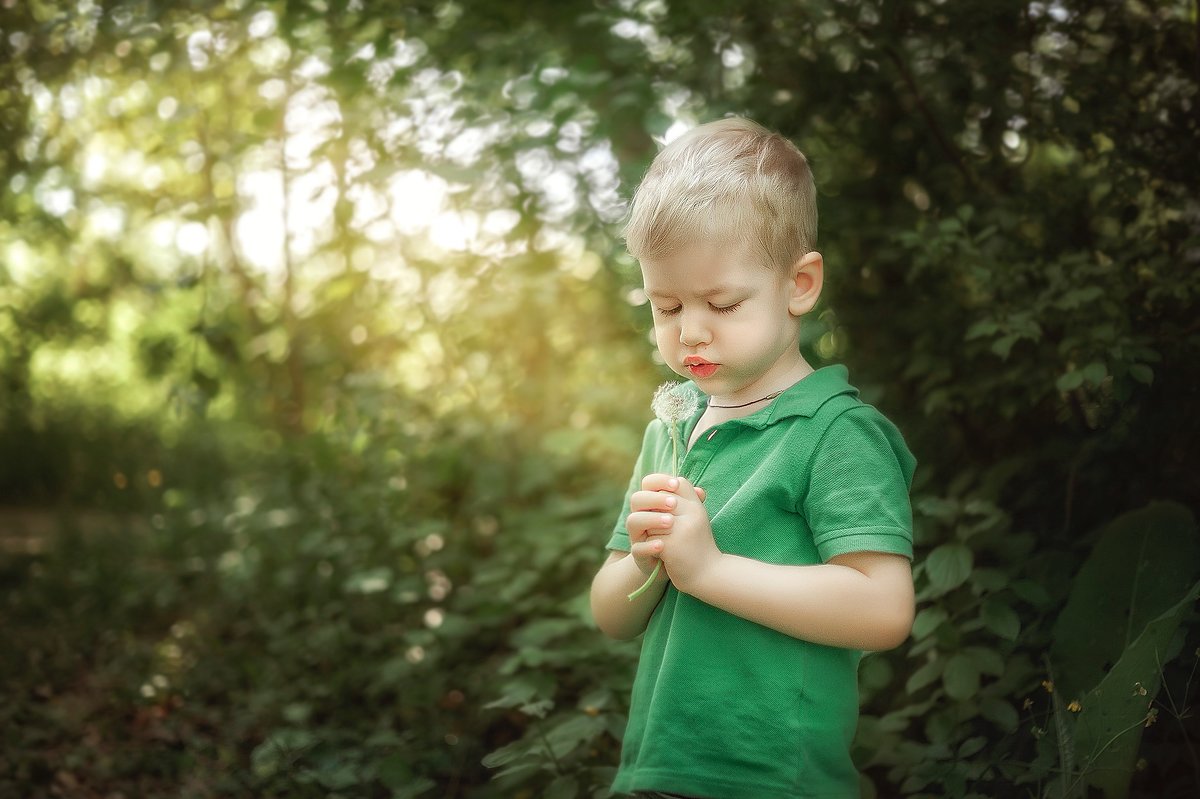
650, 518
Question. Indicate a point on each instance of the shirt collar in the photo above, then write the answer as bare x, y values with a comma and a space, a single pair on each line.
803, 398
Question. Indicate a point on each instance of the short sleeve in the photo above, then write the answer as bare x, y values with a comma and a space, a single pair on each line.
647, 458
858, 492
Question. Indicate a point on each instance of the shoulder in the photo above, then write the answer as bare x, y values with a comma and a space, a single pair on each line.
862, 433
856, 417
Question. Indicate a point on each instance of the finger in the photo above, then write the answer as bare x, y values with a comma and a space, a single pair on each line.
670, 483
653, 500
646, 523
659, 482
701, 493
648, 549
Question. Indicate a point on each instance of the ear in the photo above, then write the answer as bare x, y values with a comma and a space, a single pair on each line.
807, 277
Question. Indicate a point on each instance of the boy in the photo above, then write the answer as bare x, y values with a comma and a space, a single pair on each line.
795, 555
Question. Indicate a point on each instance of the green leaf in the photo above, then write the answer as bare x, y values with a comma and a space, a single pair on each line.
984, 327
1031, 592
1108, 732
1095, 372
971, 746
1069, 381
575, 730
538, 709
507, 754
1003, 345
415, 788
1080, 296
1141, 373
540, 632
524, 691
962, 677
927, 621
564, 787
948, 566
925, 675
1000, 713
1139, 566
279, 750
875, 672
938, 508
989, 579
1000, 619
394, 772
337, 774
598, 698
987, 660
370, 581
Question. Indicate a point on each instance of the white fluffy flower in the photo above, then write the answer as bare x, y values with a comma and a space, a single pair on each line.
673, 403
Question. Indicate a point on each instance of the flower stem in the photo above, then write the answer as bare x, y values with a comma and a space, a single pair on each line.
646, 584
675, 468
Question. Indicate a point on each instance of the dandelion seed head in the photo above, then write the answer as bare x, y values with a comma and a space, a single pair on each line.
674, 403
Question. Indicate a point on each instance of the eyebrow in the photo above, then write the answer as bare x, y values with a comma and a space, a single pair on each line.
721, 289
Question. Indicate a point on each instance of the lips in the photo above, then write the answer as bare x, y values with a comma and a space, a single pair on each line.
699, 367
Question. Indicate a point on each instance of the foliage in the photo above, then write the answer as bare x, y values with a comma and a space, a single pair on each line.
1115, 633
330, 296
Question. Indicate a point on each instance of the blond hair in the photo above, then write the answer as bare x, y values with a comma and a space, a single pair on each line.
731, 182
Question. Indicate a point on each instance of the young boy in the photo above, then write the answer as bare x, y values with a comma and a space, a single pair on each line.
795, 555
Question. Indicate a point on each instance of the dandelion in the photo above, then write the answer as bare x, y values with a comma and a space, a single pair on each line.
673, 405
1074, 707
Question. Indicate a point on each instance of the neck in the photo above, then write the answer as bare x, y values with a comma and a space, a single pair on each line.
755, 395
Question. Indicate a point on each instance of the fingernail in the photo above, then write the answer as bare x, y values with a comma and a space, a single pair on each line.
669, 502
666, 520
673, 483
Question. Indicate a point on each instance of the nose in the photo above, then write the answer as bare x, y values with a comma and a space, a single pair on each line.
692, 329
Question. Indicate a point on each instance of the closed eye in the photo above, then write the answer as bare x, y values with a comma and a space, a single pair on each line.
717, 308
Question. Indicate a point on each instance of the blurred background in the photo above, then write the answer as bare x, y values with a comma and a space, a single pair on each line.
322, 371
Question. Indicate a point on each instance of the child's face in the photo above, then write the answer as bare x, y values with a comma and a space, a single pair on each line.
726, 321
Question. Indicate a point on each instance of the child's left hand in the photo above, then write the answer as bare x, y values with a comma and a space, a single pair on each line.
689, 550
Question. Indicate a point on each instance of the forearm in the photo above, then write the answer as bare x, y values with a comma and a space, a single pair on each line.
825, 603
615, 615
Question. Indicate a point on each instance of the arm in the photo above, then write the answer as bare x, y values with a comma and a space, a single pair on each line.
615, 615
859, 600
649, 522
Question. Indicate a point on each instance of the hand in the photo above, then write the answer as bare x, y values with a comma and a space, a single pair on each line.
651, 518
674, 527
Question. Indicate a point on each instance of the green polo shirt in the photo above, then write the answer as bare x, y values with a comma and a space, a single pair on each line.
727, 708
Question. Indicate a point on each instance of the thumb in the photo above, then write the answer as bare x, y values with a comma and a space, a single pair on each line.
701, 493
